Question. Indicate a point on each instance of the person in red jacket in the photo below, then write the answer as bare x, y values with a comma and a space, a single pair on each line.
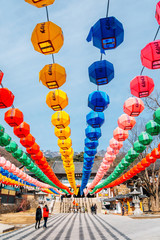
45, 215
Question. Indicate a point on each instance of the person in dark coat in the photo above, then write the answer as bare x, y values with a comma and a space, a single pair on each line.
45, 215
38, 217
123, 211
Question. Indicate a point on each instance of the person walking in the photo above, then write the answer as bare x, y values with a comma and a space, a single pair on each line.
45, 215
38, 217
123, 211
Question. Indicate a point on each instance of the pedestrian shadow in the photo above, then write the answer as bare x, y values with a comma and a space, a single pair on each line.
115, 229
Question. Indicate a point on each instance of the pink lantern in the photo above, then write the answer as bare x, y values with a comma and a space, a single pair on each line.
7, 166
16, 171
157, 15
109, 158
126, 122
115, 144
104, 166
150, 55
120, 134
112, 151
2, 161
13, 168
133, 106
142, 86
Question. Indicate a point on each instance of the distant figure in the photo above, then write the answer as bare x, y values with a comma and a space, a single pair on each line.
95, 208
38, 217
45, 215
122, 211
92, 209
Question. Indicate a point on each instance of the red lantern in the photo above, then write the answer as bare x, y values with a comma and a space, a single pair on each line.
136, 169
14, 117
157, 16
140, 166
145, 163
115, 144
141, 86
33, 149
150, 55
27, 141
133, 106
120, 134
1, 76
37, 156
112, 151
126, 122
6, 98
22, 130
150, 158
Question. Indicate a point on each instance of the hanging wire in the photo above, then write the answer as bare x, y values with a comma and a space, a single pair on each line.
47, 14
53, 58
153, 40
107, 9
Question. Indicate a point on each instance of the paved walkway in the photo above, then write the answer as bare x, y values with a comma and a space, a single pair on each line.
90, 227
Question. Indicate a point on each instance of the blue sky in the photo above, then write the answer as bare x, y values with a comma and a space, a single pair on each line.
21, 64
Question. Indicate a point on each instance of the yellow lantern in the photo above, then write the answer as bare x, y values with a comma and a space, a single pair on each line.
60, 119
52, 76
67, 164
67, 153
47, 38
62, 133
65, 144
57, 100
40, 3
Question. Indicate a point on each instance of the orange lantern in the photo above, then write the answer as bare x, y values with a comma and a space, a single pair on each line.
14, 117
33, 149
27, 141
65, 144
120, 134
47, 38
133, 106
6, 98
41, 161
126, 122
60, 119
62, 133
37, 156
22, 130
40, 3
53, 76
57, 100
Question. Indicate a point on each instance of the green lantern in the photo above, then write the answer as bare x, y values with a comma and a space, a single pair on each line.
5, 140
125, 163
118, 170
12, 147
121, 166
23, 158
145, 138
152, 128
30, 166
1, 130
138, 147
132, 154
156, 116
27, 162
128, 158
18, 153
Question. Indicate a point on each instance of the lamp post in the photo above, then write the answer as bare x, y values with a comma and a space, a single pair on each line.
135, 198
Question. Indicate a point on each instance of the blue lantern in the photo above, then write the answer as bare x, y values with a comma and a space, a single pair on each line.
90, 152
93, 133
95, 119
107, 33
88, 158
98, 101
91, 144
101, 72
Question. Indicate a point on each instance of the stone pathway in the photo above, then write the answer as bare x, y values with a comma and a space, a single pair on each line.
90, 227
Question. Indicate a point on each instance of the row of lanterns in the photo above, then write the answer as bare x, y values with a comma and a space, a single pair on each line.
107, 33
11, 175
47, 38
141, 86
12, 147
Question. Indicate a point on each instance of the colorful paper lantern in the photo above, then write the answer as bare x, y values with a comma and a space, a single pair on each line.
6, 98
112, 151
133, 106
142, 86
101, 72
37, 156
65, 144
90, 152
60, 119
12, 147
40, 3
107, 33
95, 119
62, 133
150, 158
115, 144
109, 158
91, 144
150, 55
67, 153
157, 15
126, 122
1, 130
47, 38
93, 133
145, 138
87, 158
98, 101
27, 141
5, 140
14, 117
18, 153
138, 147
53, 76
33, 149
125, 163
156, 116
120, 134
132, 154
57, 100
22, 130
152, 128
155, 153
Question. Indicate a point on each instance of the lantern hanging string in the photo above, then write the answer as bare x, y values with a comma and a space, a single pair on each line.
107, 8
153, 40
